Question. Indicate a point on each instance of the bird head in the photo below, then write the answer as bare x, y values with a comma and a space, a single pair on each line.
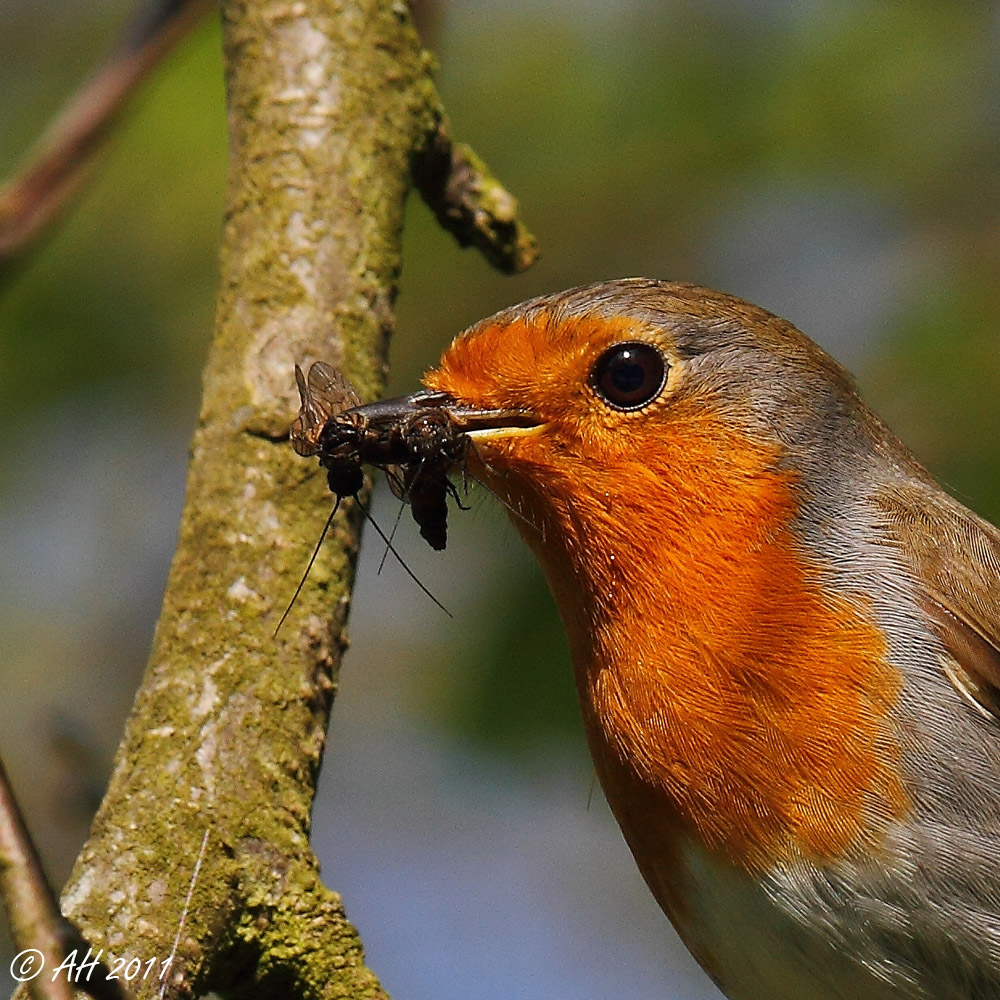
646, 414
662, 449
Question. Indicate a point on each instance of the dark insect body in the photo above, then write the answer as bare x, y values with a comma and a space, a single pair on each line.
414, 440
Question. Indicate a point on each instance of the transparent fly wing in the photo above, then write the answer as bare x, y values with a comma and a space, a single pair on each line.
325, 393
332, 386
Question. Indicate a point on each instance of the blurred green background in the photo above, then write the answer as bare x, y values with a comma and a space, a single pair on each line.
834, 161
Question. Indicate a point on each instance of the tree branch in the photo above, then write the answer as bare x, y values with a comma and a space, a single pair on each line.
58, 167
200, 850
43, 937
472, 204
35, 921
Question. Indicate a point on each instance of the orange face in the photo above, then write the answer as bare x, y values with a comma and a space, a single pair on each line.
723, 686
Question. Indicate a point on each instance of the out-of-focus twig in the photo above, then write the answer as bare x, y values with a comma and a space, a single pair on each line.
42, 936
60, 163
472, 204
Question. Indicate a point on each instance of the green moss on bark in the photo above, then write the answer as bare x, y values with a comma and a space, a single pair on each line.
201, 846
326, 105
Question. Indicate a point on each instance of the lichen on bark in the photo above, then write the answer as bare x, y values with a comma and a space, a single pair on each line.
330, 106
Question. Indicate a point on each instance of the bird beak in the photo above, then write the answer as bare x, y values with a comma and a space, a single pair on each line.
479, 424
472, 421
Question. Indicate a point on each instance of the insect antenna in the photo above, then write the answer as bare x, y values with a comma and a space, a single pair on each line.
302, 582
409, 572
392, 535
402, 492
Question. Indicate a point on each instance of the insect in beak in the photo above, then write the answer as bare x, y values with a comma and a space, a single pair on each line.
417, 440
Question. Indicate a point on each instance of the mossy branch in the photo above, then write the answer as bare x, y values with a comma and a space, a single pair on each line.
471, 203
200, 850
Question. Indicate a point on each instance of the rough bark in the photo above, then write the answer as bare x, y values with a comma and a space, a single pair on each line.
200, 849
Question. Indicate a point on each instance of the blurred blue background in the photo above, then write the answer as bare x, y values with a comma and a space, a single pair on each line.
835, 161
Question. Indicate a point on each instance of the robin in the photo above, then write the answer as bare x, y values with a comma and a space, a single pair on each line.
785, 636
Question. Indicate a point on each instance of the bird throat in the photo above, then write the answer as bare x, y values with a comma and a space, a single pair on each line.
727, 691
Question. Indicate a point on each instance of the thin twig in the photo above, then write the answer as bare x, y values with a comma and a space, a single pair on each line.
60, 163
42, 936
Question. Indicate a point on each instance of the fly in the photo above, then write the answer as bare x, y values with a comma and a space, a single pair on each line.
413, 440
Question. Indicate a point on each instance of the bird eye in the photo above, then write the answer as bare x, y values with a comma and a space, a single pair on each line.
628, 376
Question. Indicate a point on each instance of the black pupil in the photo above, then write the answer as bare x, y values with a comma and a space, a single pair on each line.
628, 376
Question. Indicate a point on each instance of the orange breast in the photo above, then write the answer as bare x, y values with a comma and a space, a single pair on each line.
726, 690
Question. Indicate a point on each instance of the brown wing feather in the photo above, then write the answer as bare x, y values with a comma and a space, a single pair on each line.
955, 555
